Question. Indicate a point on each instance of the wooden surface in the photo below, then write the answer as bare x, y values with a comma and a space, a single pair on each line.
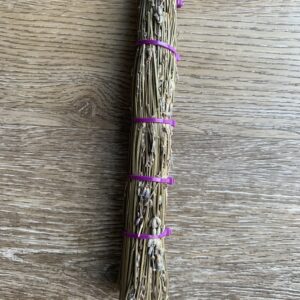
64, 120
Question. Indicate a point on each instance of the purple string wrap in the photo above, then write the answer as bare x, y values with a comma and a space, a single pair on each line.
167, 180
161, 44
180, 3
144, 236
155, 120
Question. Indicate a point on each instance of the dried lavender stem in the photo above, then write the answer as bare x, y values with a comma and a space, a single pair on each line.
143, 271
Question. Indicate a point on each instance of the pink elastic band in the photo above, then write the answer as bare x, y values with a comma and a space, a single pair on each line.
180, 3
167, 180
161, 44
144, 236
155, 120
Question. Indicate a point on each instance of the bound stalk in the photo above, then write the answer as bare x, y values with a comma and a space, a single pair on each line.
143, 270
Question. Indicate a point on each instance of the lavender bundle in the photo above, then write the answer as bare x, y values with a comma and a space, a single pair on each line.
143, 269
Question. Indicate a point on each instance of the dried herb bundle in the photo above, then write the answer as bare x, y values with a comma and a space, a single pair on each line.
143, 271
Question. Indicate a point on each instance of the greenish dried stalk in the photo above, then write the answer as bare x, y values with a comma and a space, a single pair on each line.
143, 271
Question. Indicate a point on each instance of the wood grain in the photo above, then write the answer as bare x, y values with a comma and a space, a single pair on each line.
64, 120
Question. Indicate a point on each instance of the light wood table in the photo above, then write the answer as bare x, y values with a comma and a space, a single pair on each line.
64, 120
